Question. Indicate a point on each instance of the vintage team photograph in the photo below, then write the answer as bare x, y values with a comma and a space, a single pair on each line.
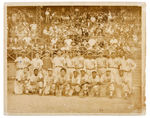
74, 58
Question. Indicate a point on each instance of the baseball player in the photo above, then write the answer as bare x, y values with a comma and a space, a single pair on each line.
111, 89
94, 85
76, 82
113, 65
34, 82
130, 67
59, 62
47, 62
36, 62
48, 81
70, 64
18, 88
90, 64
105, 81
126, 89
78, 61
26, 80
101, 63
83, 76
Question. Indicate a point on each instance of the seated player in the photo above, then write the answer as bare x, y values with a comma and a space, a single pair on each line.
83, 76
26, 80
118, 82
126, 90
111, 89
94, 84
18, 86
84, 90
105, 82
62, 78
53, 89
48, 80
34, 82
76, 82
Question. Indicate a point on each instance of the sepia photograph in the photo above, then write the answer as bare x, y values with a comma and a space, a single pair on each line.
74, 58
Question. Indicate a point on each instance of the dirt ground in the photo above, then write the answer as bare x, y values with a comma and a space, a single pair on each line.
27, 104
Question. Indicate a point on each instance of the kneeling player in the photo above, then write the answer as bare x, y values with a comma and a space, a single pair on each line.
48, 80
94, 84
76, 82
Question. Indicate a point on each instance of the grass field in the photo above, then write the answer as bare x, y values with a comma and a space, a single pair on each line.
53, 104
27, 104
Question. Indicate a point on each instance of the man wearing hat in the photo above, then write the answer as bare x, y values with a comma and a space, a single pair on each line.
90, 64
34, 82
94, 84
59, 62
105, 82
70, 64
76, 82
48, 81
78, 61
21, 63
101, 63
47, 62
113, 65
128, 65
83, 76
37, 62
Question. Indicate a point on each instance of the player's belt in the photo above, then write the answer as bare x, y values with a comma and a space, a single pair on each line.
78, 67
101, 67
20, 68
126, 71
58, 66
71, 67
90, 68
113, 67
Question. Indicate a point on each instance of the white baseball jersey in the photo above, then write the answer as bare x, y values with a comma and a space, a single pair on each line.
37, 63
34, 78
94, 80
90, 64
76, 80
47, 13
59, 61
130, 65
78, 62
69, 62
101, 62
26, 61
19, 62
33, 27
84, 78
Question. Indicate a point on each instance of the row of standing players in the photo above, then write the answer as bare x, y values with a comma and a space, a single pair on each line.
74, 75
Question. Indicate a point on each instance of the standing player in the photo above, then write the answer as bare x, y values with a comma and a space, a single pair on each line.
105, 80
90, 64
34, 82
47, 62
70, 64
129, 68
62, 80
94, 85
48, 81
101, 64
113, 65
37, 62
78, 61
59, 62
20, 65
76, 82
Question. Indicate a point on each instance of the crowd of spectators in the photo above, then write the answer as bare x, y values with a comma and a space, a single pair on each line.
94, 29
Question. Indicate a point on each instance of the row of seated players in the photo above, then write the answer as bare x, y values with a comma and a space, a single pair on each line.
81, 84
